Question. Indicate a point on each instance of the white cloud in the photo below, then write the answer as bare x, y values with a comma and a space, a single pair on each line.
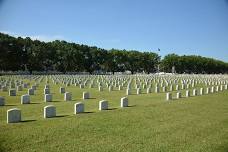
41, 37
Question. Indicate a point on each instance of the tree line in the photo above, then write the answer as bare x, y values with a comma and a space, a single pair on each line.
25, 54
193, 64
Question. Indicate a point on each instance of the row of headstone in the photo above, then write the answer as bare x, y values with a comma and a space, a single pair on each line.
141, 82
12, 92
148, 90
25, 99
195, 92
17, 86
14, 115
166, 82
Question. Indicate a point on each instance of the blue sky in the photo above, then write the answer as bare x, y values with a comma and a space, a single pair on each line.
197, 27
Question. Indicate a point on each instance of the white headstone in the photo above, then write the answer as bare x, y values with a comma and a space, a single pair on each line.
138, 91
49, 111
103, 105
194, 92
168, 96
19, 88
100, 88
124, 102
62, 90
25, 85
48, 97
171, 88
82, 86
177, 87
13, 115
25, 99
47, 86
30, 91
207, 90
128, 91
217, 88
12, 92
178, 95
2, 101
110, 88
46, 91
156, 89
86, 95
225, 87
67, 96
148, 90
201, 91
164, 89
187, 93
78, 108
212, 89
221, 87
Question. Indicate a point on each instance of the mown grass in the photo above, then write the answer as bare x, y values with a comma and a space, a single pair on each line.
148, 124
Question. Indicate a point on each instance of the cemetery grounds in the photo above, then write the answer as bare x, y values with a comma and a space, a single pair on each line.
149, 123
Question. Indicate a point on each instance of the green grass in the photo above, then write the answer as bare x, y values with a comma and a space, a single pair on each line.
149, 124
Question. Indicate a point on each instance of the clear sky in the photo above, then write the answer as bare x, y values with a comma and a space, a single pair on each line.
197, 27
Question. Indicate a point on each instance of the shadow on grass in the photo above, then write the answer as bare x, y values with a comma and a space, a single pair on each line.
30, 120
88, 112
59, 116
131, 106
134, 94
92, 98
55, 101
10, 105
35, 103
112, 108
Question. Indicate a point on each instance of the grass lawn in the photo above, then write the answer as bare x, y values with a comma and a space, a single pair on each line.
149, 124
